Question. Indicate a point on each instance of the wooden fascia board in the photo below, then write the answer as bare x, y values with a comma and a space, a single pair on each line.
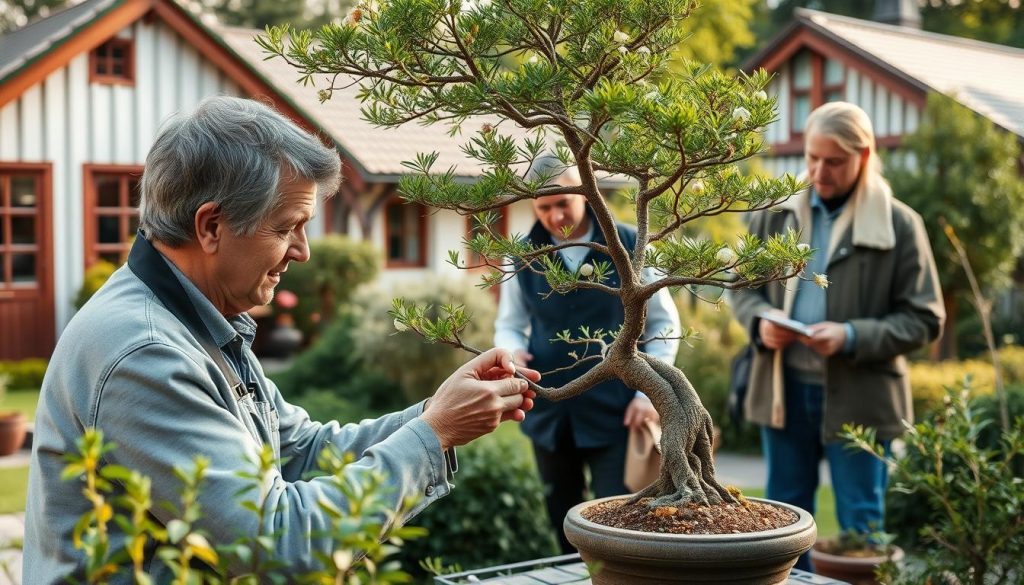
83, 40
851, 56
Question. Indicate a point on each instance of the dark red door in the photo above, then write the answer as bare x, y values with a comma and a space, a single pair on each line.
26, 262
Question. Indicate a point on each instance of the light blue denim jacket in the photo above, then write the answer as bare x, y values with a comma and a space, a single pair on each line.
127, 366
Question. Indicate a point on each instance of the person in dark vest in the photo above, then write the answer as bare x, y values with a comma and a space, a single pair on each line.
588, 431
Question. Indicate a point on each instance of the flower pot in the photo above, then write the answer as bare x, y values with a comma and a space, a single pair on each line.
629, 557
13, 426
857, 570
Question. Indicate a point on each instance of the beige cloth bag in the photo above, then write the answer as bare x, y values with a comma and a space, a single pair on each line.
643, 456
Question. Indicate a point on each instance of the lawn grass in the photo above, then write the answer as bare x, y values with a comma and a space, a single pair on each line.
15, 482
21, 400
825, 518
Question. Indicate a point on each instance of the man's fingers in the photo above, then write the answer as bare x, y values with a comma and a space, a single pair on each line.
532, 375
510, 386
492, 358
512, 402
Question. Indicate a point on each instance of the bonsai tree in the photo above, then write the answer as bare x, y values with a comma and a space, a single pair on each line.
584, 79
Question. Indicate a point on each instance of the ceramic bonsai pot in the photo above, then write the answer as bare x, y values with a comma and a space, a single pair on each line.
857, 570
628, 557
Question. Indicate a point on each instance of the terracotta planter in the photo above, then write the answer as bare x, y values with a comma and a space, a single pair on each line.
630, 557
12, 432
857, 570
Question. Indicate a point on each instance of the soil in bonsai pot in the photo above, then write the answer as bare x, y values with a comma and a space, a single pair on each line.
745, 516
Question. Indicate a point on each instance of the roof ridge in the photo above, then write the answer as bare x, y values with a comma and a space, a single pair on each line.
809, 14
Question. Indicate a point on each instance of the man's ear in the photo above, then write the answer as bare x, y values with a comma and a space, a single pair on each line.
209, 226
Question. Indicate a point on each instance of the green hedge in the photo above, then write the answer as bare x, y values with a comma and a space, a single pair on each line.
908, 513
24, 374
405, 359
337, 266
494, 516
929, 380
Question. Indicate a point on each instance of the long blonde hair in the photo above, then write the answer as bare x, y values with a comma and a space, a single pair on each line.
851, 128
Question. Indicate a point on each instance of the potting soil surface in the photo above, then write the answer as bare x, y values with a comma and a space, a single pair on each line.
746, 516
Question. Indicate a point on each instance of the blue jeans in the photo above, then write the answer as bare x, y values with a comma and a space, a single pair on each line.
793, 454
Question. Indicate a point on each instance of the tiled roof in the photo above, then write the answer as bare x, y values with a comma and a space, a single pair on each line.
378, 152
20, 47
985, 77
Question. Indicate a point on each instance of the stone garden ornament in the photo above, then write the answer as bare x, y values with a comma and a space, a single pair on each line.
586, 80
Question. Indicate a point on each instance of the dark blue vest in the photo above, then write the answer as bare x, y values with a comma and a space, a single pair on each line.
595, 417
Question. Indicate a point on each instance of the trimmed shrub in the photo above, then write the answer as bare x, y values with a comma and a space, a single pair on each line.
26, 374
496, 514
95, 277
907, 513
418, 368
331, 381
337, 266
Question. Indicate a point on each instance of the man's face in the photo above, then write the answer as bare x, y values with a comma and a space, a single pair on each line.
830, 169
248, 268
557, 212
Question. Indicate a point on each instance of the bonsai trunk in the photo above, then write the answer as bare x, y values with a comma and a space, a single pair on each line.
688, 468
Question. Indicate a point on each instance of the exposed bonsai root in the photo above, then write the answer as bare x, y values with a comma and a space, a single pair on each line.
688, 468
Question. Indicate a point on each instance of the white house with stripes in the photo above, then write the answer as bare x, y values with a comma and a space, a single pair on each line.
886, 69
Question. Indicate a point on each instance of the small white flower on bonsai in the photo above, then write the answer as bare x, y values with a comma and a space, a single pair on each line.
697, 186
741, 114
586, 270
620, 37
623, 50
725, 256
643, 50
821, 280
760, 95
401, 326
803, 247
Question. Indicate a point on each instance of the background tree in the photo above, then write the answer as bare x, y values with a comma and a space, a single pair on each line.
17, 13
583, 90
993, 21
962, 168
718, 30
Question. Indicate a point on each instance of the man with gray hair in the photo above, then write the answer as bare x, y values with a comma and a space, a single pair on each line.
160, 360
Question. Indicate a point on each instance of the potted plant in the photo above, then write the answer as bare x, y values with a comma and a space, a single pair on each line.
587, 80
13, 424
854, 556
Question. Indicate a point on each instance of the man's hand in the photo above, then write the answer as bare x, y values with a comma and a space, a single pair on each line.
773, 336
639, 410
828, 338
475, 399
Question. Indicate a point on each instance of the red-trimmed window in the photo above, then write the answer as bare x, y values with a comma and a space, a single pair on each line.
801, 84
833, 83
474, 227
405, 234
22, 229
111, 211
814, 80
113, 62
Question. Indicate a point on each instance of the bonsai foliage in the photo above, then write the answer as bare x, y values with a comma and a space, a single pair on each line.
973, 493
585, 80
363, 537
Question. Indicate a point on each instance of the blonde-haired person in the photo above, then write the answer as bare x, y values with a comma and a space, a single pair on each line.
883, 300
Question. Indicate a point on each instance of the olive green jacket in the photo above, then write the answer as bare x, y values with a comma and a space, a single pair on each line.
882, 281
